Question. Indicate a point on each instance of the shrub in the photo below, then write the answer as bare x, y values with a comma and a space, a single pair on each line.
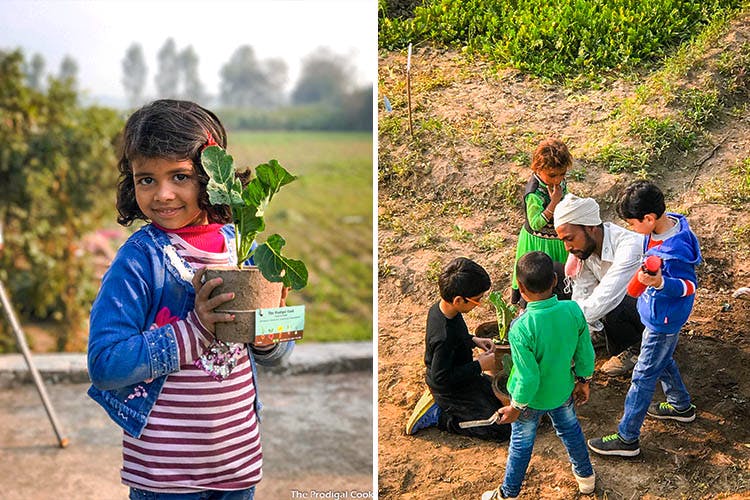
58, 158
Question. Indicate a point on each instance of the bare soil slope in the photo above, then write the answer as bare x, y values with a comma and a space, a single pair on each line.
452, 190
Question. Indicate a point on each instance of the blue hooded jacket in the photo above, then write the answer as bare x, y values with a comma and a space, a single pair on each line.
667, 310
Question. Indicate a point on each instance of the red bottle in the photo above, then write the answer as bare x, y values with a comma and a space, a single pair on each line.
650, 266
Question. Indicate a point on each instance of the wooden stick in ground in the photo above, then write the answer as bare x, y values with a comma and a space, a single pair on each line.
703, 160
62, 441
408, 89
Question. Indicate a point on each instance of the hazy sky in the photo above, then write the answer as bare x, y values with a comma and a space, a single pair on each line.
97, 33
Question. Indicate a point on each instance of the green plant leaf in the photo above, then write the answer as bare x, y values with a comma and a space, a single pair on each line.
507, 364
257, 195
504, 314
248, 226
273, 176
223, 186
276, 267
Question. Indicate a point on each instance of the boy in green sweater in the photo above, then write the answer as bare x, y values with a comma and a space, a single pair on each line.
545, 340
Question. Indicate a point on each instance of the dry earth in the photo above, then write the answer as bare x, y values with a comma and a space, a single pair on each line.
472, 130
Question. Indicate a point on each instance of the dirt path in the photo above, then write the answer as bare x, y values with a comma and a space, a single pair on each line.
317, 432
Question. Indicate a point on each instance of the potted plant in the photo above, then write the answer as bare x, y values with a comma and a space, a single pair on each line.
259, 286
498, 331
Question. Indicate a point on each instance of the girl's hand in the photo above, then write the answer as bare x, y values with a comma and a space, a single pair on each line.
486, 345
555, 194
204, 306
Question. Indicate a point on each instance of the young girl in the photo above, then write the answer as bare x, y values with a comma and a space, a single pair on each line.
545, 189
188, 404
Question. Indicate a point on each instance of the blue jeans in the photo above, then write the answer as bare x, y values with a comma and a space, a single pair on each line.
655, 364
522, 438
248, 494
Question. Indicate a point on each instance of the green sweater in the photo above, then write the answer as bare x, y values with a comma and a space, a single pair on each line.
543, 341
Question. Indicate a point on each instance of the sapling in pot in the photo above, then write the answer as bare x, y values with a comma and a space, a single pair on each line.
498, 331
261, 285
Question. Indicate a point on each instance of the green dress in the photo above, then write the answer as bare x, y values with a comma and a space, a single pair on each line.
537, 233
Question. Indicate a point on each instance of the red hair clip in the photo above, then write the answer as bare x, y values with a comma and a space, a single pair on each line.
209, 142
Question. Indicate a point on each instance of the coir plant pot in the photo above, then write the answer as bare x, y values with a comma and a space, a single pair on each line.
251, 292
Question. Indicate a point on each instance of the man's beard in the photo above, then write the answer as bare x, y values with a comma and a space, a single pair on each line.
587, 249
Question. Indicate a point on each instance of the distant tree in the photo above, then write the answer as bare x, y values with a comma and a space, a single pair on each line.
192, 86
357, 109
245, 81
324, 76
35, 72
134, 73
167, 77
69, 70
277, 75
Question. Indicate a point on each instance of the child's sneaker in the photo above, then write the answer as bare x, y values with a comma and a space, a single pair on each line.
614, 445
496, 494
426, 414
585, 484
669, 412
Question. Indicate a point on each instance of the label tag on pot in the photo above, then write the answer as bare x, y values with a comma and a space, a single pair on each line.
279, 324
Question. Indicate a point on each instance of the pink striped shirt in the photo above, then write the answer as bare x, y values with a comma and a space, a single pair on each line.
201, 434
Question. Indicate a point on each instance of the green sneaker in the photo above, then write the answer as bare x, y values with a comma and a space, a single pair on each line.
614, 445
666, 411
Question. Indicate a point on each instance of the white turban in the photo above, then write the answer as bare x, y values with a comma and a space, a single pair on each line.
575, 210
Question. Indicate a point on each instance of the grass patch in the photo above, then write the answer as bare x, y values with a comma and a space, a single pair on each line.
491, 242
618, 158
734, 192
327, 218
507, 191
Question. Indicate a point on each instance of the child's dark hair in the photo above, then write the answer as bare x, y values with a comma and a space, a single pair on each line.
463, 277
551, 154
535, 272
641, 198
172, 130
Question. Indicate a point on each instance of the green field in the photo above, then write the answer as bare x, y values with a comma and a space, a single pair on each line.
326, 218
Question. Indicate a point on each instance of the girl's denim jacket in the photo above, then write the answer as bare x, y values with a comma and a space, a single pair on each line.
128, 361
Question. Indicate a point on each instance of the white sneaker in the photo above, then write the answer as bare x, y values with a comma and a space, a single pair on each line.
585, 484
495, 495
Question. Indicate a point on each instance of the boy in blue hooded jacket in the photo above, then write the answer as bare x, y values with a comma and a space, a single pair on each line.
664, 308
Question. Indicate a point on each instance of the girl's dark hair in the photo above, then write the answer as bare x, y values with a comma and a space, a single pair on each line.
463, 277
536, 272
172, 130
641, 198
551, 154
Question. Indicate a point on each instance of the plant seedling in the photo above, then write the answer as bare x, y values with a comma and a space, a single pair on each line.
248, 207
505, 314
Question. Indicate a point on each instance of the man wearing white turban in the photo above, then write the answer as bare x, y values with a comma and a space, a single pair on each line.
604, 257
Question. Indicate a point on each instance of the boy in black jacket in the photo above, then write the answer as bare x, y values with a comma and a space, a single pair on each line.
459, 389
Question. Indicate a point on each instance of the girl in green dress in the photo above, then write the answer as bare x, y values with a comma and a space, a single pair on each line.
545, 189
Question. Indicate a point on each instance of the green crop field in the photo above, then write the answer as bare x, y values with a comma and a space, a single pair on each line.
555, 39
326, 218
